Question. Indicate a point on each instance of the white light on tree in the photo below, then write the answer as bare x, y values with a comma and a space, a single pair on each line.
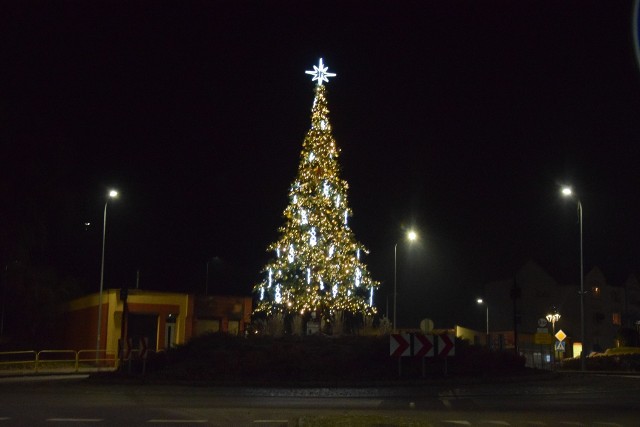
331, 249
334, 290
278, 295
312, 157
278, 252
346, 217
371, 298
358, 276
270, 277
321, 284
313, 239
292, 253
308, 276
261, 294
303, 217
338, 201
320, 73
325, 189
358, 254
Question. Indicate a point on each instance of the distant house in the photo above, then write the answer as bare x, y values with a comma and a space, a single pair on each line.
160, 319
606, 308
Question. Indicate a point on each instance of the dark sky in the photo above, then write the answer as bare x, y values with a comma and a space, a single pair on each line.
460, 118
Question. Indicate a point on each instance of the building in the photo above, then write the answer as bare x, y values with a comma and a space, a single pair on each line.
155, 320
521, 305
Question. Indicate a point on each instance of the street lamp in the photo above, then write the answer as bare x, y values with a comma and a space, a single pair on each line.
567, 192
411, 236
480, 301
112, 195
552, 318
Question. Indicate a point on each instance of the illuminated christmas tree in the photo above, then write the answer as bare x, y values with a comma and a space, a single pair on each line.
317, 265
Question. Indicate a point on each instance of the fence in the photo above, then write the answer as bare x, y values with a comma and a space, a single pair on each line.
56, 361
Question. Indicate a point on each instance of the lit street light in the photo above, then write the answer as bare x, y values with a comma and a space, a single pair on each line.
553, 318
112, 195
480, 301
411, 236
567, 192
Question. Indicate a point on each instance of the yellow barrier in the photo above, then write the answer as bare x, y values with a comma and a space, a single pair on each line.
55, 361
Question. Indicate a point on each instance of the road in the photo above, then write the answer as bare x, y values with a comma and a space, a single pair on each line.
573, 400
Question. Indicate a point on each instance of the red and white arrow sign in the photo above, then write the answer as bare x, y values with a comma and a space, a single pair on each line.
446, 345
423, 345
399, 345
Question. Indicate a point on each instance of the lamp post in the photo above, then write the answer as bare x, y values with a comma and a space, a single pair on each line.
411, 236
480, 301
112, 195
552, 318
568, 192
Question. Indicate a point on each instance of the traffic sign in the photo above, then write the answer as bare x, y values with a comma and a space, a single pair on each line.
446, 345
560, 345
560, 335
539, 338
399, 345
422, 345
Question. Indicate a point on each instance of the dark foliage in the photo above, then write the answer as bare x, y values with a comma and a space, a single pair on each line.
220, 358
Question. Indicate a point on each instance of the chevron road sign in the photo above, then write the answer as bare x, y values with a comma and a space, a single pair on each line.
446, 345
421, 346
400, 345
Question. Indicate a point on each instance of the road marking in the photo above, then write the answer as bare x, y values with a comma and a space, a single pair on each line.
270, 421
608, 424
74, 420
536, 423
457, 422
4, 418
161, 421
496, 423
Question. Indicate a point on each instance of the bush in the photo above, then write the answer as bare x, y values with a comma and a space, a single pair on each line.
318, 358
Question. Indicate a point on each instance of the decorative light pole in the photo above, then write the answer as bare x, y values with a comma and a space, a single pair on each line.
552, 318
411, 236
112, 195
567, 192
480, 301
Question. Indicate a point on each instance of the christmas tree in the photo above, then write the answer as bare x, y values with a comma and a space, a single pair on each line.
317, 265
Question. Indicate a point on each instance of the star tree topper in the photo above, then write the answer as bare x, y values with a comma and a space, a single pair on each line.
320, 74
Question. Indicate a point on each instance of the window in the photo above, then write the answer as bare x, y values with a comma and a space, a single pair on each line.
595, 290
616, 319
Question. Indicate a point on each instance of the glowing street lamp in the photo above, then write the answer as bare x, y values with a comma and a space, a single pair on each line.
411, 236
112, 195
480, 301
568, 192
553, 318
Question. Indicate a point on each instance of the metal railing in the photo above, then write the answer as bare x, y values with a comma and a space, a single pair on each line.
56, 361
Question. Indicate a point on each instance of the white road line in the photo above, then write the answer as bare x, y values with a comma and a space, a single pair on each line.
536, 423
74, 420
161, 421
270, 421
608, 424
457, 422
4, 418
495, 423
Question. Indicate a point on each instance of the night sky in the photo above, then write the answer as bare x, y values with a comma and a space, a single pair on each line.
458, 118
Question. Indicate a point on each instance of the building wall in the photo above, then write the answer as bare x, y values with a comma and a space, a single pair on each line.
606, 307
79, 322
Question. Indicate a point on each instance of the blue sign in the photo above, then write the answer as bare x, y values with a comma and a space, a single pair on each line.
559, 345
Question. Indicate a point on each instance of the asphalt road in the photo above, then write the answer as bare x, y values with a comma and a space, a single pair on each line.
572, 400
